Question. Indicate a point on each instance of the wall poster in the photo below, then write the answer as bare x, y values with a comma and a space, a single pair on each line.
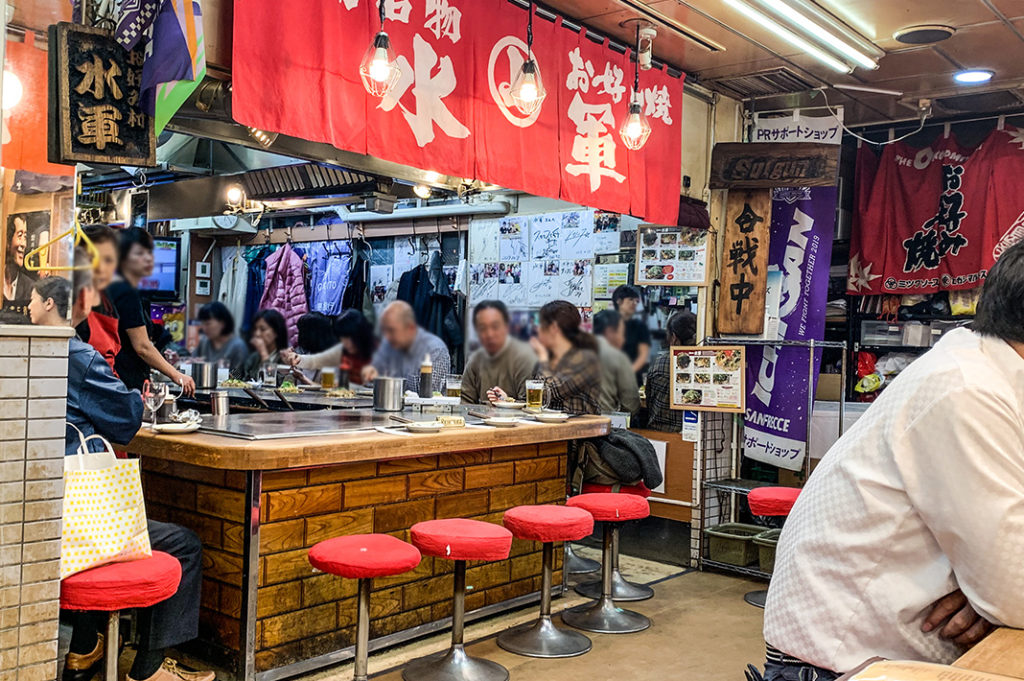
671, 256
709, 378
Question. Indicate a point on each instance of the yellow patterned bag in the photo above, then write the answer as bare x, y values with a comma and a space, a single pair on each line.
104, 512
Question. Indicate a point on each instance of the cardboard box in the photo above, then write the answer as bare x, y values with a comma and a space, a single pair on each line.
830, 387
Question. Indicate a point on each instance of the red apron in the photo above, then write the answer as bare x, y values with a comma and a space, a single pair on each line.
103, 336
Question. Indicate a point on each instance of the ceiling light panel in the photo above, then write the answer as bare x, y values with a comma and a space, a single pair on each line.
808, 26
789, 36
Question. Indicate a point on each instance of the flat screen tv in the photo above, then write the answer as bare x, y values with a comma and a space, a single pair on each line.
165, 283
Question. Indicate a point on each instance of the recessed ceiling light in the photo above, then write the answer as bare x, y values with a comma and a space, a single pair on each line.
973, 76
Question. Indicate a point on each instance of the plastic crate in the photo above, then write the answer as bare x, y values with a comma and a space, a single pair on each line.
766, 543
733, 543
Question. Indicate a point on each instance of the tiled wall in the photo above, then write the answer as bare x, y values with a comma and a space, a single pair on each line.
33, 393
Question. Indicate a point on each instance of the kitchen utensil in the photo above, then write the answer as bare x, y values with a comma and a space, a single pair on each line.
262, 402
205, 375
284, 400
220, 402
388, 393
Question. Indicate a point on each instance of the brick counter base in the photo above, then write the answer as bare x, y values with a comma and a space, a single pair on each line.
302, 614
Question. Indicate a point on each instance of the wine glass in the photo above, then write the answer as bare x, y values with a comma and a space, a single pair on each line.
154, 395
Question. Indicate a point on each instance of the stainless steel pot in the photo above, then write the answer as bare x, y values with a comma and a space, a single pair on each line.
168, 409
205, 375
388, 394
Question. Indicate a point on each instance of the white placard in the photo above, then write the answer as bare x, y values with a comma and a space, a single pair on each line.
511, 285
606, 232
483, 282
607, 278
545, 232
515, 233
575, 282
577, 235
797, 128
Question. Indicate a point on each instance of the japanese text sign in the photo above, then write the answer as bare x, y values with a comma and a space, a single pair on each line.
451, 110
94, 114
745, 262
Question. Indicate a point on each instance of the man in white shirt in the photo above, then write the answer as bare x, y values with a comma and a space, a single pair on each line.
917, 512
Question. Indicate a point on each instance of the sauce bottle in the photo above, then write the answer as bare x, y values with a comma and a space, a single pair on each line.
427, 377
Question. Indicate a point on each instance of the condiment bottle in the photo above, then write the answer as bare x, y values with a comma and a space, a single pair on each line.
427, 377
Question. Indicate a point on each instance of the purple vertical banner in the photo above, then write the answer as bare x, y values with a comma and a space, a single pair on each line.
800, 254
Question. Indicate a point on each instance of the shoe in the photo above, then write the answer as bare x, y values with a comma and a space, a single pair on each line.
170, 671
83, 667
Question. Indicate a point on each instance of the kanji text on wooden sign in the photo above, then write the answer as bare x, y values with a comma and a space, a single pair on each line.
745, 262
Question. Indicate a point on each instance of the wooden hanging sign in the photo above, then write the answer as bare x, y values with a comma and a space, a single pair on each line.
744, 275
764, 165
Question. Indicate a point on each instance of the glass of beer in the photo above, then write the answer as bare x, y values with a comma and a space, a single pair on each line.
453, 385
328, 378
535, 394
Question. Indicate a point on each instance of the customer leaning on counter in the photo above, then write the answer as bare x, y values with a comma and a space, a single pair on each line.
906, 541
352, 352
501, 360
680, 330
269, 340
404, 348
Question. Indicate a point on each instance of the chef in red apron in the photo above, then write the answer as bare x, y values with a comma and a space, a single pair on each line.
100, 327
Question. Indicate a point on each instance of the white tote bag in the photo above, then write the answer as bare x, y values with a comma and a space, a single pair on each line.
104, 512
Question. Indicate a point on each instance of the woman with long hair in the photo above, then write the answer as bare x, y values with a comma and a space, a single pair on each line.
269, 339
568, 360
353, 351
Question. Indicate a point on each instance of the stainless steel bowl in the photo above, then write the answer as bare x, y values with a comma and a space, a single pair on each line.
388, 394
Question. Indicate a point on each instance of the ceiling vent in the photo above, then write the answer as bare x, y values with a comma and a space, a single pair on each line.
780, 81
308, 179
924, 35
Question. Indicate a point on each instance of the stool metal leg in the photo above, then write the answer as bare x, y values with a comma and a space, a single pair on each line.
602, 616
622, 590
110, 655
542, 638
578, 565
362, 630
455, 664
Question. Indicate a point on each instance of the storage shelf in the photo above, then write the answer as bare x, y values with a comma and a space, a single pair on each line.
894, 348
917, 318
737, 485
746, 571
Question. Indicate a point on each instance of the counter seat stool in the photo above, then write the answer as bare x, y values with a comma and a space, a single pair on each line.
114, 587
622, 590
769, 502
603, 616
458, 539
546, 524
363, 557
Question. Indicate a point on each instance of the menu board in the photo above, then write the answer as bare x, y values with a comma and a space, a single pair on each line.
671, 256
708, 378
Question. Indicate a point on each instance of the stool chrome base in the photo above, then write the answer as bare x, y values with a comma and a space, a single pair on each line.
621, 589
757, 598
578, 565
604, 617
454, 665
543, 639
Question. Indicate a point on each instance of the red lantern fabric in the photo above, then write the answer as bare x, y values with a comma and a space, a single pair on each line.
120, 586
462, 539
549, 523
364, 556
607, 507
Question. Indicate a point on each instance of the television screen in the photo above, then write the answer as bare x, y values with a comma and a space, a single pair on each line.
163, 284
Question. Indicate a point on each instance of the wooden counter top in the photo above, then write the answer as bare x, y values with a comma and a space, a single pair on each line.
225, 453
1001, 652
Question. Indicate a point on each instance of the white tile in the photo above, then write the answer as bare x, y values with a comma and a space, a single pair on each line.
45, 387
45, 449
13, 430
16, 388
45, 469
12, 471
9, 451
13, 347
13, 409
54, 407
14, 367
11, 513
49, 347
11, 492
39, 429
49, 367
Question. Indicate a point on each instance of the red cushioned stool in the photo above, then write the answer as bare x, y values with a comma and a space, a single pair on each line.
115, 587
458, 539
769, 502
546, 524
603, 616
363, 557
622, 590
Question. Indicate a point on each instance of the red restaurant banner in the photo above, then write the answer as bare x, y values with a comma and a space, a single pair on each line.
935, 219
297, 72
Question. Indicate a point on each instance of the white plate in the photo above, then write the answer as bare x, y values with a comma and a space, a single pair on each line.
508, 405
426, 427
177, 428
502, 421
551, 417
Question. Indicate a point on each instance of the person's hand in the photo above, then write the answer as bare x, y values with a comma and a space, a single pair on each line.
538, 347
290, 357
496, 394
959, 622
260, 347
188, 386
369, 373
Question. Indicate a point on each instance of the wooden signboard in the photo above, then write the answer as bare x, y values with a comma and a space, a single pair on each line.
672, 256
764, 164
94, 96
744, 277
709, 378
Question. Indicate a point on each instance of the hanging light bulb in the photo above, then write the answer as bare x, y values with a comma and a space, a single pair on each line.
12, 90
635, 129
379, 71
528, 91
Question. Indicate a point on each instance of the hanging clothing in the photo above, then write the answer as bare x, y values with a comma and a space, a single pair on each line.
257, 259
284, 290
357, 289
426, 290
329, 265
233, 280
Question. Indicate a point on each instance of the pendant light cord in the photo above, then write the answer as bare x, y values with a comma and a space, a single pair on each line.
636, 64
529, 33
381, 8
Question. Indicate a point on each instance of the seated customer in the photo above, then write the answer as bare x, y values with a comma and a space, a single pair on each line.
269, 339
619, 391
48, 302
353, 352
500, 360
568, 365
680, 330
219, 340
917, 512
404, 348
99, 403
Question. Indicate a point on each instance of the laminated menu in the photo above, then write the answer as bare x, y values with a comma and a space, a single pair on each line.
708, 378
671, 256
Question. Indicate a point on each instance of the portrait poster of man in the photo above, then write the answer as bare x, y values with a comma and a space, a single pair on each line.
23, 233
